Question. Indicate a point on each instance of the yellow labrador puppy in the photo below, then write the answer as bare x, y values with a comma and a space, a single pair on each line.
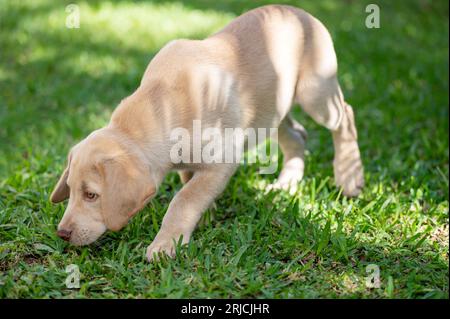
248, 75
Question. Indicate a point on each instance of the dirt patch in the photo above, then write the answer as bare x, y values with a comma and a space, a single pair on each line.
31, 259
440, 235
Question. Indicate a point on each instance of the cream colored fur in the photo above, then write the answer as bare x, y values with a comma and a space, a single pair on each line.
248, 75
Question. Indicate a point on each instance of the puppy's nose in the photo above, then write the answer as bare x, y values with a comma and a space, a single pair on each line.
64, 234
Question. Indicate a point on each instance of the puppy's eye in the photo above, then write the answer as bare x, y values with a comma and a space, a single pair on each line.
90, 196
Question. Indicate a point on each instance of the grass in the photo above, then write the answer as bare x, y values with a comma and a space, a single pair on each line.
58, 84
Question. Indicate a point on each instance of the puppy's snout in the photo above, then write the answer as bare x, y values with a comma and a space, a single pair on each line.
64, 234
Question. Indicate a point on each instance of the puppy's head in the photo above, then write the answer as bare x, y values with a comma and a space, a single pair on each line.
106, 181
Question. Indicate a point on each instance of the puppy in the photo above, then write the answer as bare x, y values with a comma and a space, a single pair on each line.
247, 75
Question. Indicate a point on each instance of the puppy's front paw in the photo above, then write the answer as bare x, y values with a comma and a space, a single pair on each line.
164, 244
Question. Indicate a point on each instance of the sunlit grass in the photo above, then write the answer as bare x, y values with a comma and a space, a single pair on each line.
59, 84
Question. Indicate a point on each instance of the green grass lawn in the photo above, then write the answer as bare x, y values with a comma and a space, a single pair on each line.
59, 84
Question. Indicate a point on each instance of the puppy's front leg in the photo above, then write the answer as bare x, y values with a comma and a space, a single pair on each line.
187, 207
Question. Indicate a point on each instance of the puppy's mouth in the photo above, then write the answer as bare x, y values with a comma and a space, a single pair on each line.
85, 237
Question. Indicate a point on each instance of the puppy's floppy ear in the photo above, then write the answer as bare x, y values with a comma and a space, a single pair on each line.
61, 191
127, 188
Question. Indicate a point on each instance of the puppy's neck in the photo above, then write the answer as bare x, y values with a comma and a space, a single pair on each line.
136, 119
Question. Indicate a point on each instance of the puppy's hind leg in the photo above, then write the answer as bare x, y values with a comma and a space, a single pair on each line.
322, 99
292, 138
348, 168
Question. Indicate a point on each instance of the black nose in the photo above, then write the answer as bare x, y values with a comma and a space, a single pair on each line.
64, 234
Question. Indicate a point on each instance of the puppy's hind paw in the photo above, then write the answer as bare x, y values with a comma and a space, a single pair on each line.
351, 180
288, 186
